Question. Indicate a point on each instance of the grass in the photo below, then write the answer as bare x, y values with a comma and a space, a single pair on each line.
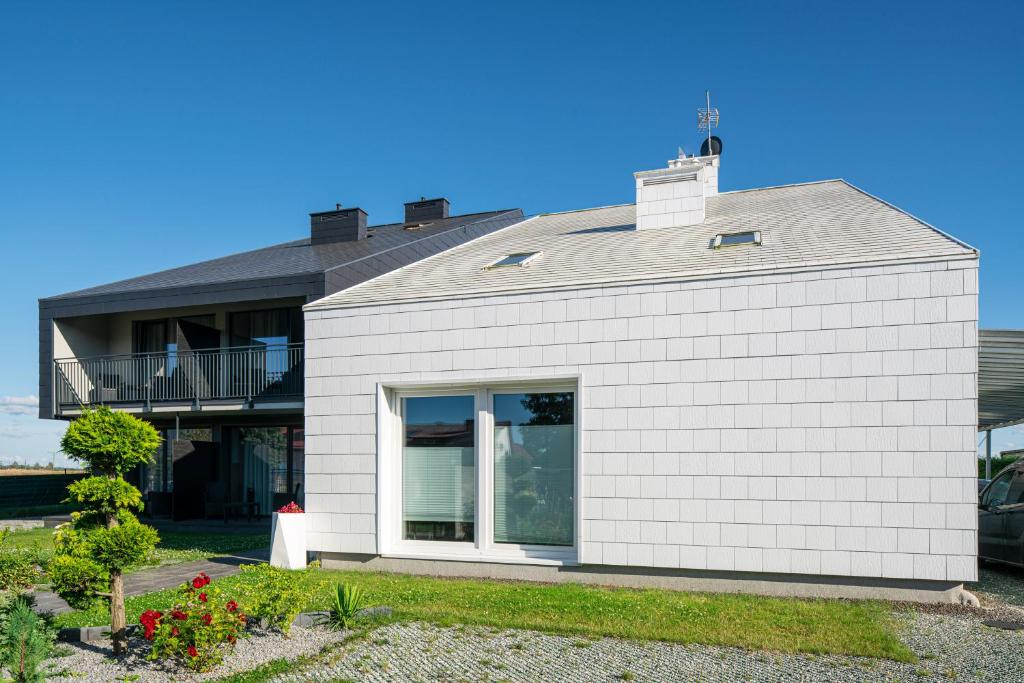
174, 547
861, 628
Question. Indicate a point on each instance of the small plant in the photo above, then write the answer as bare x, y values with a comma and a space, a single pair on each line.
291, 508
271, 596
26, 641
346, 601
627, 675
18, 566
203, 625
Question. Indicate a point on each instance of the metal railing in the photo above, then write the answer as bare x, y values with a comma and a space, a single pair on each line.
250, 373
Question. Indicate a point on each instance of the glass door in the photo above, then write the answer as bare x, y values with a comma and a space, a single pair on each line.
534, 455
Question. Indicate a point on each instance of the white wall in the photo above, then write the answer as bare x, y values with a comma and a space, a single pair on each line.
815, 423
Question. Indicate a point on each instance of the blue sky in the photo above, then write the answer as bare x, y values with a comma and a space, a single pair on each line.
140, 136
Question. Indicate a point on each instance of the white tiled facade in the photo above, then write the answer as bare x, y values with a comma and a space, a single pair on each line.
815, 423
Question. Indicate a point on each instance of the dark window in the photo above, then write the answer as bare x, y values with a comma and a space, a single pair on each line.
1015, 496
734, 239
150, 336
272, 327
998, 490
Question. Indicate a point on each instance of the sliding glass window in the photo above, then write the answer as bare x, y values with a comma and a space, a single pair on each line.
509, 491
439, 468
534, 451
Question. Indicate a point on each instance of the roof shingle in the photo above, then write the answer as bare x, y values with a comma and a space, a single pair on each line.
824, 223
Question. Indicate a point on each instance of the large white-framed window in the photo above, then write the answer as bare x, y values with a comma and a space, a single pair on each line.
485, 470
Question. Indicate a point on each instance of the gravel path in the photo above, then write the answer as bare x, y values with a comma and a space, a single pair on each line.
86, 662
952, 647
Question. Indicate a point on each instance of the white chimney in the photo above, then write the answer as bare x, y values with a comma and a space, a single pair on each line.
674, 196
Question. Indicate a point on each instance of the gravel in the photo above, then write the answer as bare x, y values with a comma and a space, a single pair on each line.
94, 661
952, 647
1000, 588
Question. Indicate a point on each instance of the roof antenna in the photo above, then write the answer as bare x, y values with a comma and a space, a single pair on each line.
707, 119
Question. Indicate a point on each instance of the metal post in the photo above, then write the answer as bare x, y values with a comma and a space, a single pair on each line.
988, 453
707, 95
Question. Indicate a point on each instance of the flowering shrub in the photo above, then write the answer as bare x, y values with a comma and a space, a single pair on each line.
272, 595
291, 507
201, 627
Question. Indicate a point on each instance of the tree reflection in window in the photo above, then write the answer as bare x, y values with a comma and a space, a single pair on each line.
534, 454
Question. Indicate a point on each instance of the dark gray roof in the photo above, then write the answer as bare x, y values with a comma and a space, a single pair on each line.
300, 258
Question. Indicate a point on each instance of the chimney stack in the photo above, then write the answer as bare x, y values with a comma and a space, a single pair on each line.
426, 210
675, 196
340, 225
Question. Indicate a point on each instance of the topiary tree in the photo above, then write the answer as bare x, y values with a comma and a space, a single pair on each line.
92, 553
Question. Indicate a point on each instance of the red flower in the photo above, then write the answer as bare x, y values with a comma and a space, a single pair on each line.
202, 597
150, 616
149, 619
291, 508
175, 631
192, 651
201, 580
232, 606
179, 615
231, 638
207, 619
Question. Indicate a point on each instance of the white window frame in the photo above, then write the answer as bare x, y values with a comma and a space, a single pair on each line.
391, 542
530, 256
756, 243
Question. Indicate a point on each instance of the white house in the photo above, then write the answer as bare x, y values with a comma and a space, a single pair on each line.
769, 390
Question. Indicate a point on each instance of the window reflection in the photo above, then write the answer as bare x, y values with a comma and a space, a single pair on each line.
534, 455
439, 468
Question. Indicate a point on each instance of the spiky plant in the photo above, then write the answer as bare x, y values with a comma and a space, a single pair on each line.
346, 602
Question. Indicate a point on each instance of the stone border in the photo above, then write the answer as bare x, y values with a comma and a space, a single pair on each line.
85, 634
20, 524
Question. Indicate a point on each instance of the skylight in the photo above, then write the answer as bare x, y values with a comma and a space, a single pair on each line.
520, 259
735, 239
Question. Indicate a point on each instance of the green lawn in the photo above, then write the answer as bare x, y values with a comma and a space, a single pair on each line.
174, 547
752, 622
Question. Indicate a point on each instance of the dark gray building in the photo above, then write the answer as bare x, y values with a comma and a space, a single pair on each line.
213, 353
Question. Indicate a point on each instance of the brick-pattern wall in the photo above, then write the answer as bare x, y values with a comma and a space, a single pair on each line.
813, 423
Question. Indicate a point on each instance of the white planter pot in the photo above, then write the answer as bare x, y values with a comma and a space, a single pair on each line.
288, 540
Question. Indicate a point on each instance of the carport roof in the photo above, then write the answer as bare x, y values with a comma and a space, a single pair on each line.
1000, 378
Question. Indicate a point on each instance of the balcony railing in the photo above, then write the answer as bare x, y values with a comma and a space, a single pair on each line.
249, 373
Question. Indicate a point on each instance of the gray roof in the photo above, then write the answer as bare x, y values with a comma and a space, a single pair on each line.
1000, 378
807, 225
296, 258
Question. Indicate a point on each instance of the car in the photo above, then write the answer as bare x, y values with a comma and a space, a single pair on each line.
982, 483
1001, 517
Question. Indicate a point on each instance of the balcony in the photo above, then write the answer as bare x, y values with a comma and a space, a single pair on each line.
246, 375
